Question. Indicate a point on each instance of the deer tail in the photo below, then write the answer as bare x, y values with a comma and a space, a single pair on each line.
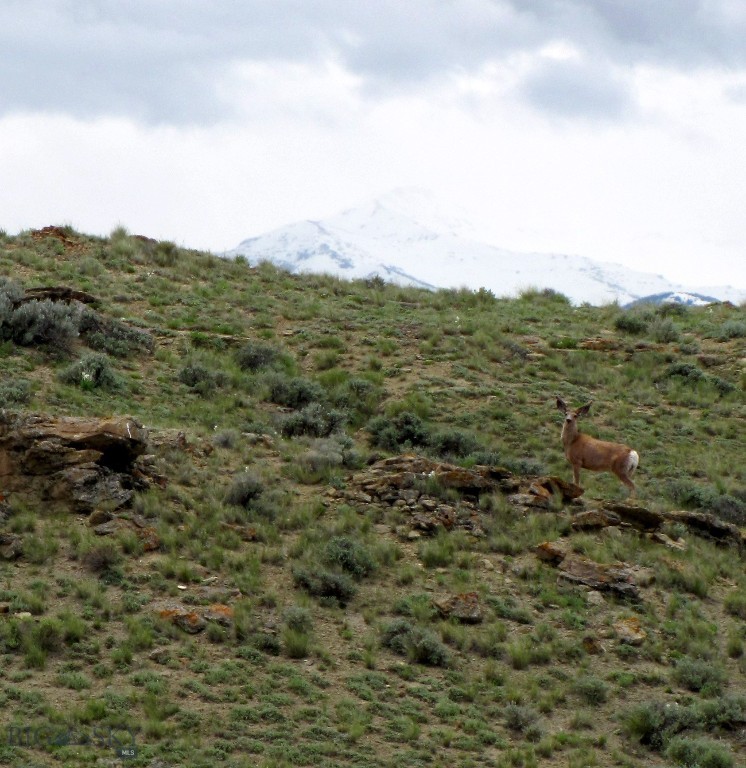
632, 461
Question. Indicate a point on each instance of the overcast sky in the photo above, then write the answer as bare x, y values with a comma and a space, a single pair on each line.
614, 129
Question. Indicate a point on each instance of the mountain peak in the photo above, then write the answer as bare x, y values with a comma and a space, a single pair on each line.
408, 236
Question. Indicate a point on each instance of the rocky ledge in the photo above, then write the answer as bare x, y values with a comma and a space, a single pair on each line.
75, 463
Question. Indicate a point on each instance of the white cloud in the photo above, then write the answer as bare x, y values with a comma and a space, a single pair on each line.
570, 127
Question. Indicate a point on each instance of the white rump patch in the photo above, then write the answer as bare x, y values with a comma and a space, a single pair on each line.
632, 461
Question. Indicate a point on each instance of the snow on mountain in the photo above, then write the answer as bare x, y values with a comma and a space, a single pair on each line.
404, 239
676, 297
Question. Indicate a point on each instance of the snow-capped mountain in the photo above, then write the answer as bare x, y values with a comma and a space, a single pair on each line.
402, 238
676, 297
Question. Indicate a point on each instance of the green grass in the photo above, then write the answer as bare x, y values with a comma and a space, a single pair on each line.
285, 388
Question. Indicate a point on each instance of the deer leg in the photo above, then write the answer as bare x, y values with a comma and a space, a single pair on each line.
576, 474
628, 483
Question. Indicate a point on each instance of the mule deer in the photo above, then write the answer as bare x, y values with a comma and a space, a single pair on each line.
586, 452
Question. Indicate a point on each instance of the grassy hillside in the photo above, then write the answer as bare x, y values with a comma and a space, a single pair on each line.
333, 650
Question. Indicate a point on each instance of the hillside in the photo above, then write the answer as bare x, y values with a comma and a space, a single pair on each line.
258, 519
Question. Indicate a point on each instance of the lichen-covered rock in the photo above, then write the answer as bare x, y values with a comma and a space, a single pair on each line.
551, 552
465, 608
630, 632
149, 538
187, 619
219, 613
194, 619
554, 487
529, 500
593, 519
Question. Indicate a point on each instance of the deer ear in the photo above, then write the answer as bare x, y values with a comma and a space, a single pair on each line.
561, 405
583, 410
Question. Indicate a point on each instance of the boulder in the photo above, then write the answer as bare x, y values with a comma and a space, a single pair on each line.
147, 534
429, 521
529, 500
551, 552
556, 486
99, 517
592, 645
220, 614
617, 578
630, 632
464, 607
78, 463
187, 619
594, 597
661, 538
594, 519
11, 546
194, 619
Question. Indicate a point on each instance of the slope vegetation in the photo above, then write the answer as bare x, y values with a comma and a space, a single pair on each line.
328, 523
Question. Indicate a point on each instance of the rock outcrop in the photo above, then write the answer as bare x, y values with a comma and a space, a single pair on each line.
709, 526
642, 518
56, 293
387, 476
75, 463
618, 578
426, 488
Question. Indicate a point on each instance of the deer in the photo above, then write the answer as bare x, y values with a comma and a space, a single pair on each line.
586, 452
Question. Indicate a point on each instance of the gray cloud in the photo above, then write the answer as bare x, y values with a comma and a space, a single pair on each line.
161, 60
679, 33
570, 89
